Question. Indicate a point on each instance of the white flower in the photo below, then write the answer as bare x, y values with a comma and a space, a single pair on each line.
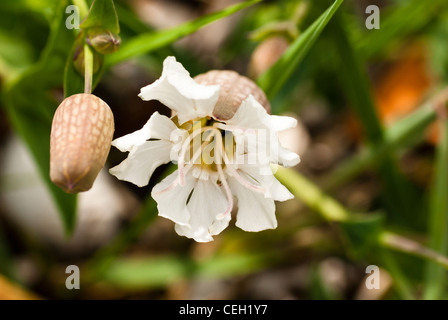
217, 160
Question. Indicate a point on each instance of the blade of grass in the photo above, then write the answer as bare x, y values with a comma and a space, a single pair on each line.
397, 192
274, 78
312, 195
435, 276
400, 20
150, 41
406, 245
402, 284
333, 211
405, 132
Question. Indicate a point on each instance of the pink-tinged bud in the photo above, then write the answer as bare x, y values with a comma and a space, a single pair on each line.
266, 54
103, 41
81, 136
235, 88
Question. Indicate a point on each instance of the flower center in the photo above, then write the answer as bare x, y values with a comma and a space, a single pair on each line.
210, 150
204, 147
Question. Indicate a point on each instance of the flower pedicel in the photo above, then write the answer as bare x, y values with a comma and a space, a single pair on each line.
223, 141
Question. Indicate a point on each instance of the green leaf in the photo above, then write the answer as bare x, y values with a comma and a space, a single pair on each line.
102, 14
15, 55
227, 265
398, 21
435, 275
142, 273
30, 107
312, 195
150, 41
362, 232
398, 194
273, 79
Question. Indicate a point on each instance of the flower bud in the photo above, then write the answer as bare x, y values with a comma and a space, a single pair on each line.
103, 41
81, 136
235, 88
266, 54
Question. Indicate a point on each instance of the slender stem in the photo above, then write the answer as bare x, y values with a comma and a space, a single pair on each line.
333, 211
312, 195
399, 243
435, 276
88, 68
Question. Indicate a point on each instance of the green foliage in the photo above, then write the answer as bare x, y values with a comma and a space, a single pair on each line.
438, 218
30, 107
102, 14
278, 74
362, 232
154, 272
328, 49
147, 42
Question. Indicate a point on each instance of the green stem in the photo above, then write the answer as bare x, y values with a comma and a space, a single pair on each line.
88, 68
406, 245
435, 276
333, 211
312, 195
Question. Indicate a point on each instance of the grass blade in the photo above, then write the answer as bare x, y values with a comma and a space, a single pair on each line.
405, 132
435, 276
273, 79
150, 41
398, 194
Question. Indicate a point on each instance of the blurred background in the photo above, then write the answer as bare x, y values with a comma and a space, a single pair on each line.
124, 251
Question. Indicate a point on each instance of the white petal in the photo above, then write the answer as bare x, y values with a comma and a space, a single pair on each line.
206, 202
172, 200
260, 146
157, 127
255, 212
263, 176
141, 162
285, 157
178, 91
251, 114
